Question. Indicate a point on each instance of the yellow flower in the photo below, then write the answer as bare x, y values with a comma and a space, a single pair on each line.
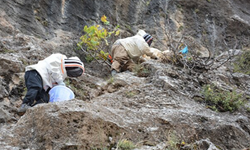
104, 19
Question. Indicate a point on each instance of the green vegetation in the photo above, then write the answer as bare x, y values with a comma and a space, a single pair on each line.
242, 63
103, 148
128, 27
67, 82
140, 70
95, 39
148, 2
220, 100
5, 50
24, 61
248, 109
132, 93
125, 145
24, 91
180, 28
178, 6
174, 142
89, 58
42, 21
79, 92
111, 80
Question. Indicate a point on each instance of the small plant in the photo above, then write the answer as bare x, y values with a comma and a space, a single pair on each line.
95, 40
5, 50
24, 61
180, 28
38, 18
103, 148
67, 82
45, 23
148, 2
111, 80
242, 63
174, 142
24, 92
42, 21
132, 93
219, 100
79, 92
89, 58
248, 109
140, 70
128, 27
179, 6
126, 145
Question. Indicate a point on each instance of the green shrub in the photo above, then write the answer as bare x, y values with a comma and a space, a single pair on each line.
219, 100
126, 145
242, 63
95, 40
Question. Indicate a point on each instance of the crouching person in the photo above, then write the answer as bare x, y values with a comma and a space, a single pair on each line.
126, 52
41, 77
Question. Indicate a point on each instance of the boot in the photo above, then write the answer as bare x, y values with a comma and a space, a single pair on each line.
23, 108
113, 72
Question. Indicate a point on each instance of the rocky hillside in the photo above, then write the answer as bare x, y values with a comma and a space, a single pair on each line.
160, 110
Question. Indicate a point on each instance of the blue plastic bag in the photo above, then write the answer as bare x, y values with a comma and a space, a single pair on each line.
184, 50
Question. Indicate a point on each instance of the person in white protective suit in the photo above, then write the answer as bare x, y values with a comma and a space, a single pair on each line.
47, 73
126, 52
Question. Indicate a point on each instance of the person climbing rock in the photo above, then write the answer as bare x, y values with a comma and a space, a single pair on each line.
126, 52
47, 73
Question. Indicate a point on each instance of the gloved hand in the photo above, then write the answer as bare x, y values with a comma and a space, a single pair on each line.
155, 58
61, 83
141, 60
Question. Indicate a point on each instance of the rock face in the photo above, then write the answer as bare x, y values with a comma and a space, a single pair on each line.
217, 21
145, 110
63, 127
141, 110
